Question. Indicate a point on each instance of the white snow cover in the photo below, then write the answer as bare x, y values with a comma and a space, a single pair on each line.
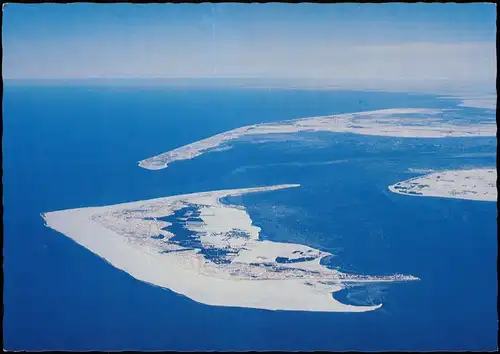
248, 272
474, 184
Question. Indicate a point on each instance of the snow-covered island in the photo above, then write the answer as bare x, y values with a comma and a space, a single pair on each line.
476, 101
400, 122
474, 184
210, 251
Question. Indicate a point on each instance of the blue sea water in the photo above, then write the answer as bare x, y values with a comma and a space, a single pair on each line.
67, 147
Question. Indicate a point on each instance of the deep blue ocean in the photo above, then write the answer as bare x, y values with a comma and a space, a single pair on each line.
75, 146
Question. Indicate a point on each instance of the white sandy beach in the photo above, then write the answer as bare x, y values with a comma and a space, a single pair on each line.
250, 277
401, 122
473, 184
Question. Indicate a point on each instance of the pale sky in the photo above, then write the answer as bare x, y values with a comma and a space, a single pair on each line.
401, 43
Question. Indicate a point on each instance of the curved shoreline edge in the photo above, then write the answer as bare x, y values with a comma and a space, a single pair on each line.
426, 123
121, 234
472, 184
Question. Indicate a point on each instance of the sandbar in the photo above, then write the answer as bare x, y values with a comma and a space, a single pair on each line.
400, 122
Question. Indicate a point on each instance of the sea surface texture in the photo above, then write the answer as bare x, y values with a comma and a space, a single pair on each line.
332, 198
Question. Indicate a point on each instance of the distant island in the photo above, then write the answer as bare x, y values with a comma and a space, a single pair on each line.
474, 184
397, 122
